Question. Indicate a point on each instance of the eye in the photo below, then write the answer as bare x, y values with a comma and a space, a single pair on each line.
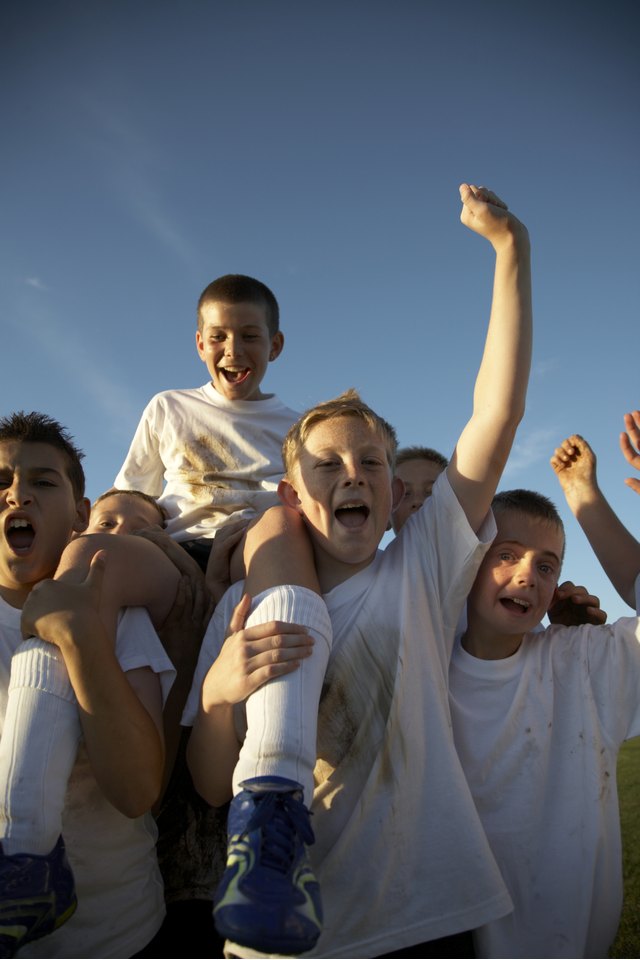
216, 338
546, 569
505, 555
251, 336
326, 464
42, 482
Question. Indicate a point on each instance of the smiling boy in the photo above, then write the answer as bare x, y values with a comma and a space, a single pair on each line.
538, 718
399, 853
214, 451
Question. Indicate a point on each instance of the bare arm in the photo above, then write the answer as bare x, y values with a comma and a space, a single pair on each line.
500, 390
248, 659
121, 714
574, 463
137, 574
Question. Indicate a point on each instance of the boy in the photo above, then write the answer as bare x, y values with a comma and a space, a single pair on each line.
125, 511
418, 468
412, 832
538, 717
83, 675
216, 448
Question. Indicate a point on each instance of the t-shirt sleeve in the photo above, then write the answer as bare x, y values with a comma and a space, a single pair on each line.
211, 646
613, 668
138, 645
448, 550
143, 468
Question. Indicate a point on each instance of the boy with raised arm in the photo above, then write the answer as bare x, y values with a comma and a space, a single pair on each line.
539, 716
399, 851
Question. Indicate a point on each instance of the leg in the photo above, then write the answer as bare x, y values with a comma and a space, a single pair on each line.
276, 905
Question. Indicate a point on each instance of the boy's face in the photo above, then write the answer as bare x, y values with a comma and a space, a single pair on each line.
516, 581
236, 346
122, 514
418, 477
39, 514
342, 486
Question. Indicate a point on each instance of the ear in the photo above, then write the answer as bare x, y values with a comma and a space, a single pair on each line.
288, 495
277, 343
83, 510
200, 346
397, 492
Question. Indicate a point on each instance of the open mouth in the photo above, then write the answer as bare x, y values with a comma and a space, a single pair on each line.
515, 605
234, 376
20, 535
352, 515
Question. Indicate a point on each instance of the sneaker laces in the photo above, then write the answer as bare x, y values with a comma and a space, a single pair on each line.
282, 820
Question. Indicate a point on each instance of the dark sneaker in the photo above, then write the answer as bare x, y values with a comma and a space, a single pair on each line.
269, 898
37, 895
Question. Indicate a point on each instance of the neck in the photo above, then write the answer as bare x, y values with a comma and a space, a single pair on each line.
15, 596
490, 646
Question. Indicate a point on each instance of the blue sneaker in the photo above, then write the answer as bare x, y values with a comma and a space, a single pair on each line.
37, 895
269, 898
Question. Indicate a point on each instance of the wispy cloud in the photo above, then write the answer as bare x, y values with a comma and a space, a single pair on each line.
135, 167
529, 450
71, 359
36, 283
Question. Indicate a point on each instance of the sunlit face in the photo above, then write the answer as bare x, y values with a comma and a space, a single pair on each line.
39, 514
516, 581
236, 346
342, 485
418, 477
121, 513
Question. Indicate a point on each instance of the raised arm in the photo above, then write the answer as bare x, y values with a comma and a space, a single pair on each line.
501, 385
574, 463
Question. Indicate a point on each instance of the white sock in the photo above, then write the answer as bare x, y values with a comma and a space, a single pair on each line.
282, 716
37, 750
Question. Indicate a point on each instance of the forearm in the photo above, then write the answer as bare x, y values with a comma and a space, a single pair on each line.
123, 741
212, 753
616, 549
501, 384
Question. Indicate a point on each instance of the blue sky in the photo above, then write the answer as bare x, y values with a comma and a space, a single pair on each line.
151, 146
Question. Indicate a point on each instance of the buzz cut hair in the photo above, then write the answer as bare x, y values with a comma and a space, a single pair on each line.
348, 404
238, 288
115, 492
531, 504
39, 428
405, 454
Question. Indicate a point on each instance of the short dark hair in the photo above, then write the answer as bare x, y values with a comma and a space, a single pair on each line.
238, 288
421, 453
531, 504
115, 492
39, 428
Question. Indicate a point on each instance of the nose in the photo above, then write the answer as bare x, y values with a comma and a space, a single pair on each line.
232, 346
353, 475
18, 494
526, 572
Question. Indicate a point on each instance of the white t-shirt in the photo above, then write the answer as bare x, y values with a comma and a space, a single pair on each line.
400, 853
217, 457
120, 898
538, 736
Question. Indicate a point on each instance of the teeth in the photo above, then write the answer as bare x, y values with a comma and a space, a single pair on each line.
522, 603
18, 522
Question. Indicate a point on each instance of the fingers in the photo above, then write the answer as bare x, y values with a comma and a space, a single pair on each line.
474, 196
630, 441
633, 484
240, 614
